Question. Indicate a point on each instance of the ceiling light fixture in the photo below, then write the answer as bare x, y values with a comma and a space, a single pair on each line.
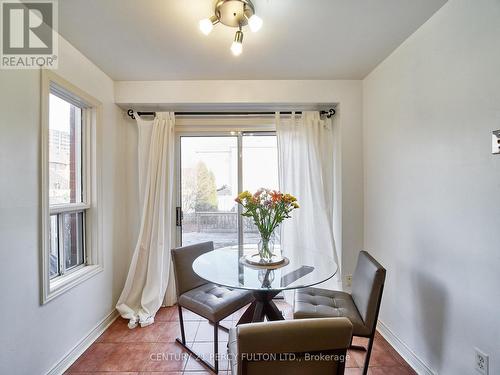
233, 13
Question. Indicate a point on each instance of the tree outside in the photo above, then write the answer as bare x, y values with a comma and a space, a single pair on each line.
199, 191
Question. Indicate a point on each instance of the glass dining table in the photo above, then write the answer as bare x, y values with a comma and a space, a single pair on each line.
225, 267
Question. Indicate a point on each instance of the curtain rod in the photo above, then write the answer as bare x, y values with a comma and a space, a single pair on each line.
130, 112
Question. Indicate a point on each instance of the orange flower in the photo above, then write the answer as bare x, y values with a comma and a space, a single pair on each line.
276, 196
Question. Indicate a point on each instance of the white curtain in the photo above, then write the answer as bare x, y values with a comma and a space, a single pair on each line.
305, 149
149, 283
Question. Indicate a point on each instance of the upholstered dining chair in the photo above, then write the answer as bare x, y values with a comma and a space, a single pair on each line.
361, 306
208, 300
292, 347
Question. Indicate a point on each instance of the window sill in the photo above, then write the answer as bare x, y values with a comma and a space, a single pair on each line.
64, 283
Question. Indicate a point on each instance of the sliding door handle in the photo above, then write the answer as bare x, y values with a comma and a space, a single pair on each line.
178, 216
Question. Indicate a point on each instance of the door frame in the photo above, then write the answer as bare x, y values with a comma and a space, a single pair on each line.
178, 175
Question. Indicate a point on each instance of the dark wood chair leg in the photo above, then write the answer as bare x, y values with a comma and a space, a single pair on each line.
372, 337
182, 341
181, 321
196, 355
216, 347
226, 329
368, 354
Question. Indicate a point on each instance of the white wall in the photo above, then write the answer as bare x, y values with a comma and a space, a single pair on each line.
34, 338
432, 186
245, 94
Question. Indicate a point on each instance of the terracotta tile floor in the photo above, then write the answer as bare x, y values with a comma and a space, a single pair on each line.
152, 350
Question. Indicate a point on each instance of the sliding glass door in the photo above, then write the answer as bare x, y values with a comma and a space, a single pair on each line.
212, 170
208, 185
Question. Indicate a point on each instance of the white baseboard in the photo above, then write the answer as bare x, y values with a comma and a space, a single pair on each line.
404, 351
78, 350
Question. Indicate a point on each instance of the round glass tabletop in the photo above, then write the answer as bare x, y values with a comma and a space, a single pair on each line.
223, 267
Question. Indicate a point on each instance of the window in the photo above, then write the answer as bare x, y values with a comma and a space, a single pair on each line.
67, 203
214, 168
71, 246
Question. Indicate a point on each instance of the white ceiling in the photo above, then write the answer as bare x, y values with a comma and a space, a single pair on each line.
300, 39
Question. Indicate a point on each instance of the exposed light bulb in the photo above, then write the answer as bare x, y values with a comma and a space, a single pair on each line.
207, 24
237, 46
255, 23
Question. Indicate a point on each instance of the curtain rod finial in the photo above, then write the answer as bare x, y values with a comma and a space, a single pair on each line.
328, 113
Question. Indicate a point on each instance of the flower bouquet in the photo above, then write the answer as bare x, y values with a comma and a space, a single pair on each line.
268, 208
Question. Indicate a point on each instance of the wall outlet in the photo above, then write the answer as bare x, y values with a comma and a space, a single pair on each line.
481, 362
348, 280
495, 142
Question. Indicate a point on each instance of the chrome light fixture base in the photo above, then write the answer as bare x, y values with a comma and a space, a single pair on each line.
234, 13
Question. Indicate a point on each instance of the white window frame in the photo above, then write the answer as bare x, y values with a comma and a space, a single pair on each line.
91, 120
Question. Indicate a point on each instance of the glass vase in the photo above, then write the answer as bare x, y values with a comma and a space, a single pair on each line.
266, 248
